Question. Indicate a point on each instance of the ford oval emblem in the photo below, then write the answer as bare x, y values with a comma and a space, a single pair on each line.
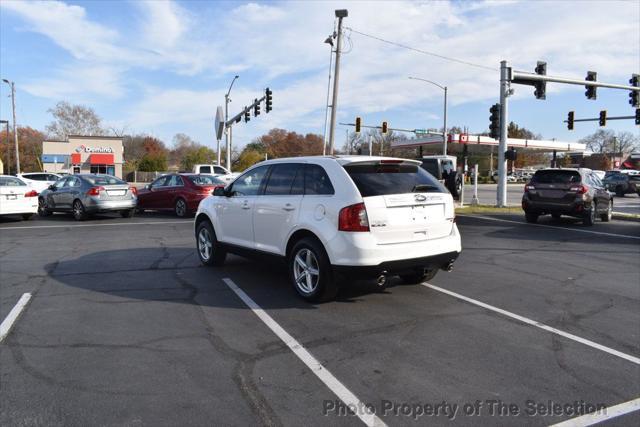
420, 198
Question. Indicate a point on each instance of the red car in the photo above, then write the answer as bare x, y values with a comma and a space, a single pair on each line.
180, 192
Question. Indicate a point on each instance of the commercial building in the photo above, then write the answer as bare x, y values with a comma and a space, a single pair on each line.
84, 154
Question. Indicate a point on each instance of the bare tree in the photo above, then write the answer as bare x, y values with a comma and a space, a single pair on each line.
74, 120
607, 141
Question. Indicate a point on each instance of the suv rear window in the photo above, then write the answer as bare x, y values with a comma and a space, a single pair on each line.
431, 166
556, 177
376, 179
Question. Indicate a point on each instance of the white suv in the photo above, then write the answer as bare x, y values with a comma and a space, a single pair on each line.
333, 217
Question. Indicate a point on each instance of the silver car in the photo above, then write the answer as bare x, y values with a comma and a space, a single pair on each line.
87, 194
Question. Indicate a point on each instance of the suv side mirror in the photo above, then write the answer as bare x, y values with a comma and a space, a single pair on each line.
52, 187
219, 191
148, 186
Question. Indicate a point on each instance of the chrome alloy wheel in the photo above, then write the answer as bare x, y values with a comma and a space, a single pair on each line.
306, 271
181, 208
205, 244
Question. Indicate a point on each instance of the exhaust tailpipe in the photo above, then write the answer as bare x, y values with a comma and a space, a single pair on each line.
449, 266
381, 280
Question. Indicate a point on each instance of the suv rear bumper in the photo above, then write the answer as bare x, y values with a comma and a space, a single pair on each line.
576, 208
443, 261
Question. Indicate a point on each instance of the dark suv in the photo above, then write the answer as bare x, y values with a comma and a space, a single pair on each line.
622, 183
574, 192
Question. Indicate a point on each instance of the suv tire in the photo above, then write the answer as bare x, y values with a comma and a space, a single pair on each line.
310, 271
606, 217
210, 252
42, 208
419, 276
590, 216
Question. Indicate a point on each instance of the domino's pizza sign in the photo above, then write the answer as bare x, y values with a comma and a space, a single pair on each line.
84, 149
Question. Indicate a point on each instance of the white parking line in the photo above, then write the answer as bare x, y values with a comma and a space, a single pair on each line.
13, 315
307, 358
537, 324
626, 236
22, 227
611, 412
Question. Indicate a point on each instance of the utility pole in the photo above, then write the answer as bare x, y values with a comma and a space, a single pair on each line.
502, 146
227, 126
15, 131
444, 131
340, 14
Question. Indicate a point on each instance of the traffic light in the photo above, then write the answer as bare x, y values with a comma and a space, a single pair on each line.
570, 118
638, 116
541, 87
634, 95
358, 124
268, 100
247, 115
511, 154
385, 128
256, 108
591, 90
494, 126
603, 118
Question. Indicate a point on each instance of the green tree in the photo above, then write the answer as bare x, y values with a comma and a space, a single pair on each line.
197, 155
153, 162
248, 158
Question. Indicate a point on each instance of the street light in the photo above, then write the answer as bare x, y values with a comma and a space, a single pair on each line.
15, 133
328, 41
444, 130
6, 122
227, 128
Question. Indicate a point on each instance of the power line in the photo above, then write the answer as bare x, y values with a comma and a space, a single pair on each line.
424, 52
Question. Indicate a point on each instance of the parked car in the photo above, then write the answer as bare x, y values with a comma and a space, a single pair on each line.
17, 197
333, 217
180, 193
39, 181
86, 194
216, 170
600, 174
622, 183
510, 177
574, 192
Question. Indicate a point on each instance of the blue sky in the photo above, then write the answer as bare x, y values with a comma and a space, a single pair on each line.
162, 67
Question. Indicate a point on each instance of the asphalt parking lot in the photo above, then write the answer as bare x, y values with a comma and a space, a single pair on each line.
124, 327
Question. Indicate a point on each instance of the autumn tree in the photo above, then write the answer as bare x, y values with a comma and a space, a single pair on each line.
282, 143
74, 120
30, 146
247, 158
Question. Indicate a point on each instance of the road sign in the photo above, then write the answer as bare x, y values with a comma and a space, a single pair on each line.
420, 131
219, 124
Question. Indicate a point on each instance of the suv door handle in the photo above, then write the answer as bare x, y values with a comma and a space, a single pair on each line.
288, 207
245, 205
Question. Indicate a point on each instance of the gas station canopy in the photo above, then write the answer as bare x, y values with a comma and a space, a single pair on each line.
465, 139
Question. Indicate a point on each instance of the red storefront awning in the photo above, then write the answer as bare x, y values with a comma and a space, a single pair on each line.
75, 159
101, 159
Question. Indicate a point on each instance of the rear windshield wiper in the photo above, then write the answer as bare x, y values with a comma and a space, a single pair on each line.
425, 188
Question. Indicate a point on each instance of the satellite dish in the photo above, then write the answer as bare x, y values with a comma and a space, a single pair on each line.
219, 124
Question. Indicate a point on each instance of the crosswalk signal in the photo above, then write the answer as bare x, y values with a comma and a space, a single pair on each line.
591, 90
247, 115
256, 108
358, 124
494, 125
570, 118
541, 87
385, 128
634, 95
603, 118
268, 100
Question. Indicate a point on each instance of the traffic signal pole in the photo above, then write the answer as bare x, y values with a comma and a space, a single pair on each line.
340, 14
502, 147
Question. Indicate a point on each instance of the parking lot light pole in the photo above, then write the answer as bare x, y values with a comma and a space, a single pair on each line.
444, 128
15, 132
227, 126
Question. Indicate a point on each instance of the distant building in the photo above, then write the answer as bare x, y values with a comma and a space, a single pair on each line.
84, 154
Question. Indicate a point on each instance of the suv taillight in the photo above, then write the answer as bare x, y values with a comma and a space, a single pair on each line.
580, 189
353, 218
95, 191
529, 187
